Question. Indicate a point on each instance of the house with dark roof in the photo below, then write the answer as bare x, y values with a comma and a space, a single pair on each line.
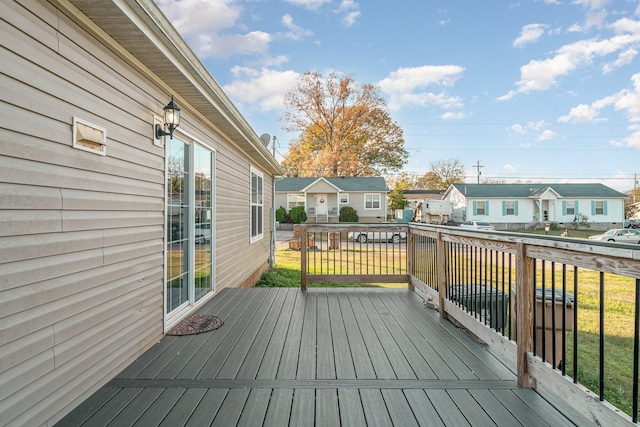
323, 197
514, 206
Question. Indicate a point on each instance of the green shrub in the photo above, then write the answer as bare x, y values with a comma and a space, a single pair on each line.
280, 213
298, 215
348, 214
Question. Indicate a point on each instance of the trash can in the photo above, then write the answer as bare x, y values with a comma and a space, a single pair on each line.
552, 302
489, 303
334, 240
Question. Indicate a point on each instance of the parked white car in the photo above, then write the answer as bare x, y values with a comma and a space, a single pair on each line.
623, 235
478, 225
377, 236
203, 232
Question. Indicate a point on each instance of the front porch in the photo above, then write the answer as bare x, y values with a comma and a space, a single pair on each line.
324, 356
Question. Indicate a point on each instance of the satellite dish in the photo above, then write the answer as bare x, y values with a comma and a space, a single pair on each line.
265, 138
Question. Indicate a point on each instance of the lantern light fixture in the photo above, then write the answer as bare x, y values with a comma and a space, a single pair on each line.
171, 120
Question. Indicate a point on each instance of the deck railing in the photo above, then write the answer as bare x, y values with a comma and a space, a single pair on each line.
562, 313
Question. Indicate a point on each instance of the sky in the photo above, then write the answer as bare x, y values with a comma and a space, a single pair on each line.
540, 91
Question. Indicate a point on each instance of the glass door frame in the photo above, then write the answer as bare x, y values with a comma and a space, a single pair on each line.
174, 316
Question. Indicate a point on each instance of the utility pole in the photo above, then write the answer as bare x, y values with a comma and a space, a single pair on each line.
635, 182
478, 166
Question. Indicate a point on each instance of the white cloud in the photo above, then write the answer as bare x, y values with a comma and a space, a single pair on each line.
452, 116
582, 114
191, 17
633, 140
509, 168
626, 100
406, 86
408, 79
309, 4
261, 89
518, 129
351, 18
625, 58
529, 34
541, 75
225, 46
351, 11
295, 32
546, 134
202, 23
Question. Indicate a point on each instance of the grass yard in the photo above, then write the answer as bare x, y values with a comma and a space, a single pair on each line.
286, 273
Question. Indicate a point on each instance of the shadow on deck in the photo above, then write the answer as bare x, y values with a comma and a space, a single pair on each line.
325, 356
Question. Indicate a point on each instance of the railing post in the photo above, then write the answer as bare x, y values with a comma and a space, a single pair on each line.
410, 258
303, 258
525, 270
441, 269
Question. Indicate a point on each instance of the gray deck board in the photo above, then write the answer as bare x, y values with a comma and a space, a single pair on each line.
331, 356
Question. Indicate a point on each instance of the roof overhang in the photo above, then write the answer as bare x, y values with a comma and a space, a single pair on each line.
139, 33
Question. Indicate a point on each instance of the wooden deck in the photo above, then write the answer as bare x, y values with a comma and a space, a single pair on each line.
350, 357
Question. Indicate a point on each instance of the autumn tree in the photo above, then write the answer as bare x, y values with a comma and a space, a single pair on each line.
430, 181
443, 173
344, 129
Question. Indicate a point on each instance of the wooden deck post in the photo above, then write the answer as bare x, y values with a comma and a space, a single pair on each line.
525, 270
303, 257
441, 268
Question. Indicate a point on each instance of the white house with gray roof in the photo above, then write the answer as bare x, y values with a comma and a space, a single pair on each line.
513, 206
323, 197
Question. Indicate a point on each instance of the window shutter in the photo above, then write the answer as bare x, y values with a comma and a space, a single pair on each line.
486, 207
604, 207
475, 208
575, 208
593, 207
504, 208
564, 207
515, 208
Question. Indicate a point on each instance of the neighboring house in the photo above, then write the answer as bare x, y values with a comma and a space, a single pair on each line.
323, 197
98, 251
513, 206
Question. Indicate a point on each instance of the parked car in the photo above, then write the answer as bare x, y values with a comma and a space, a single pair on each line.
623, 235
478, 225
632, 223
203, 232
379, 236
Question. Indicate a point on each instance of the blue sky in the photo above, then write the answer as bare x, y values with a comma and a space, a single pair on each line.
543, 91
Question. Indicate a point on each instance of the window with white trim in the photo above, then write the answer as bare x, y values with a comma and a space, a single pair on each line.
510, 207
599, 207
344, 198
372, 201
257, 208
294, 200
571, 208
480, 208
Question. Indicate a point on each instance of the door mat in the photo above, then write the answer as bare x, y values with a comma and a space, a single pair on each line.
196, 324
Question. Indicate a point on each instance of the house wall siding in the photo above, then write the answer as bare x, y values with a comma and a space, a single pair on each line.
82, 235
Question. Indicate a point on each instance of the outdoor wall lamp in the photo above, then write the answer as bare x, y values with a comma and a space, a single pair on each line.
171, 120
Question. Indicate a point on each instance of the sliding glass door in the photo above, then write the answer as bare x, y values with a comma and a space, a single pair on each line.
189, 224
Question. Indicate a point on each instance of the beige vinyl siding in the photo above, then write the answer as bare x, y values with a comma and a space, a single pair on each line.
81, 235
236, 258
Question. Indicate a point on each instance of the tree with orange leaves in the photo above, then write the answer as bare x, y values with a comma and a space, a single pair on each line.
344, 129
